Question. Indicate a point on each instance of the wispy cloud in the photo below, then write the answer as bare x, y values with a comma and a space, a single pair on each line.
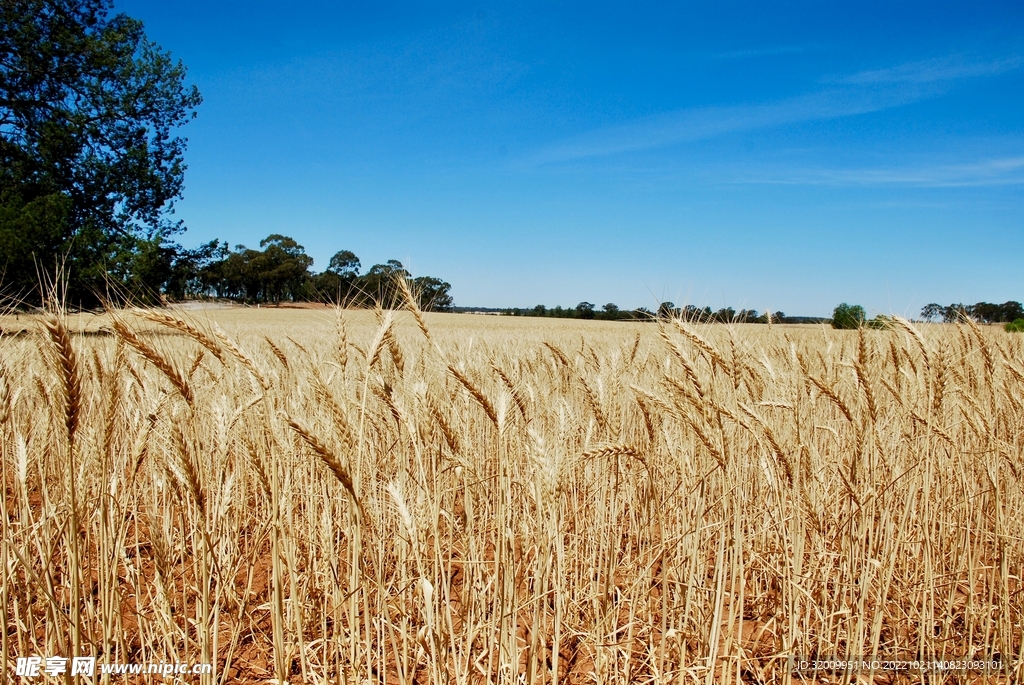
1000, 171
932, 70
861, 93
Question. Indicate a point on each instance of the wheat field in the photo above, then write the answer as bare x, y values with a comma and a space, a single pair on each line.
320, 496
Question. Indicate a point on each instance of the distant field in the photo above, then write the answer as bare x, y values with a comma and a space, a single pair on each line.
311, 496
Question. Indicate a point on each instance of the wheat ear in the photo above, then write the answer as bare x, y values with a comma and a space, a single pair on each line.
5, 397
615, 450
329, 459
477, 394
413, 304
243, 359
281, 357
67, 364
700, 342
156, 359
185, 327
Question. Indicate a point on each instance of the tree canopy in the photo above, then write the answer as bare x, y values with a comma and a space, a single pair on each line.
985, 312
282, 272
90, 165
847, 316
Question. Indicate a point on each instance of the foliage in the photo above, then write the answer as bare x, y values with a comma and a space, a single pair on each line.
984, 312
90, 163
666, 310
848, 316
280, 272
432, 294
585, 310
880, 322
1015, 326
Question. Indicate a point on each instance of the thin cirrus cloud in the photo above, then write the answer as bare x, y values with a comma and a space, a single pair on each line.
1000, 171
860, 93
932, 70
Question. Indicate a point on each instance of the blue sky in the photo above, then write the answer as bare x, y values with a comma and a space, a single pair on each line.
761, 155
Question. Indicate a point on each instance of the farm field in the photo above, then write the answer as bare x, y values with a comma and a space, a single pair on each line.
311, 496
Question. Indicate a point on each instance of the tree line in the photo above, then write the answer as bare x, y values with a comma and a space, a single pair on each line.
983, 312
281, 272
847, 316
666, 310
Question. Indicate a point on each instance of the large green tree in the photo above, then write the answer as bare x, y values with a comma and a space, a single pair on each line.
848, 316
90, 165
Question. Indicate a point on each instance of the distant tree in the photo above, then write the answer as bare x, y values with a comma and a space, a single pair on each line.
190, 270
696, 314
611, 311
379, 284
880, 322
540, 310
282, 268
337, 283
345, 264
667, 310
1011, 311
932, 311
643, 314
848, 316
724, 315
585, 310
432, 294
987, 312
955, 312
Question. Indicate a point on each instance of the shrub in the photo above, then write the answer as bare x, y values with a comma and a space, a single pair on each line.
848, 316
880, 322
1015, 326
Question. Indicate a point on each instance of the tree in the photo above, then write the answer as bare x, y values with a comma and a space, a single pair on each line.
345, 264
337, 283
282, 268
694, 314
585, 310
611, 311
89, 163
932, 311
1011, 311
955, 312
667, 310
432, 294
379, 284
724, 315
848, 316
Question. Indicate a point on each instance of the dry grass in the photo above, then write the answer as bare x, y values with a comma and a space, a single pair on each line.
410, 498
